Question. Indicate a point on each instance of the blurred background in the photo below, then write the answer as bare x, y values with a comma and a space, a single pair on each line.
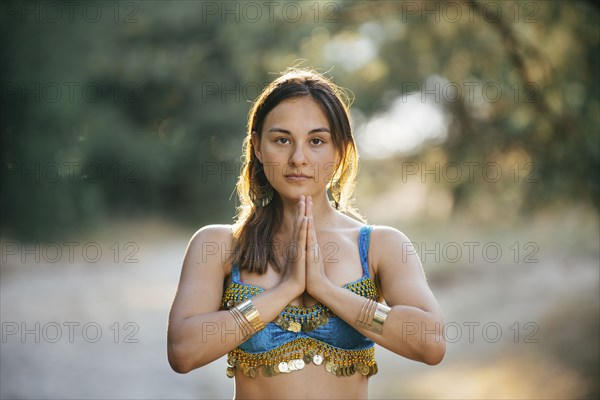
121, 129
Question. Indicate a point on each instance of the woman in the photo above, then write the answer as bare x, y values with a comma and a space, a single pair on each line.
294, 291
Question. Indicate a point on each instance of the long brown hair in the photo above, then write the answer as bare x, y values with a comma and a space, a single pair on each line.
256, 225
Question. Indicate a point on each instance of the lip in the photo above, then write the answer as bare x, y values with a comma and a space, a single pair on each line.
297, 178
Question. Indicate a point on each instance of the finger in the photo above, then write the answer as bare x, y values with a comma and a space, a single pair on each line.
313, 245
310, 223
302, 237
301, 205
300, 213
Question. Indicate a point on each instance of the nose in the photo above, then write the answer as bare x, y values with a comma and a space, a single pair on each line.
298, 156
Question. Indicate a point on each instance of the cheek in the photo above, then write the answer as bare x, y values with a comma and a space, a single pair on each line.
274, 157
269, 150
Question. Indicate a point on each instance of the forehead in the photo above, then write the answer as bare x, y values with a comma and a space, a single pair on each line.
300, 112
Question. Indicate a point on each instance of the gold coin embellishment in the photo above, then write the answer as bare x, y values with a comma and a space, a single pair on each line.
309, 326
282, 322
328, 366
291, 365
230, 372
322, 319
362, 369
307, 358
299, 364
318, 359
283, 367
230, 303
335, 369
294, 326
246, 370
252, 372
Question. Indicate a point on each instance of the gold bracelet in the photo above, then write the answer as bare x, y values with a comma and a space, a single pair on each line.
381, 313
371, 312
241, 322
365, 317
374, 316
362, 316
251, 314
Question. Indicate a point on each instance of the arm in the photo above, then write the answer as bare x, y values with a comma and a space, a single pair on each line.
414, 325
198, 333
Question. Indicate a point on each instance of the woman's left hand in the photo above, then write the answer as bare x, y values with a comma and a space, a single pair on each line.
316, 280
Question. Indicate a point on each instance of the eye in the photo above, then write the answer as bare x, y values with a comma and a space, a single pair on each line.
316, 141
279, 140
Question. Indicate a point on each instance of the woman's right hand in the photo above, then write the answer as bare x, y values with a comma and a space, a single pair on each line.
295, 251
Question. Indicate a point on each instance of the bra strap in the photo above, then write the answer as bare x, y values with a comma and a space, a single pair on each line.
235, 274
363, 247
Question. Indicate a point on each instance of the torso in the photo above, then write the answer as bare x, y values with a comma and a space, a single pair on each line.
310, 383
341, 260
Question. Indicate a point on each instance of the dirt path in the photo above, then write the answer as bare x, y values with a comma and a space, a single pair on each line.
117, 312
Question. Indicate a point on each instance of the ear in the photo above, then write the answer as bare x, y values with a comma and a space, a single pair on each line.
256, 145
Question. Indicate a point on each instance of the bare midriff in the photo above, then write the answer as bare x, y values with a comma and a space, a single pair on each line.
312, 382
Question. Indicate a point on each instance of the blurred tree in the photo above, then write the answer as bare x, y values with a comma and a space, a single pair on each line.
151, 113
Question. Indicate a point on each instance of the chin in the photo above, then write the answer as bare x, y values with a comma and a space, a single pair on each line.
294, 193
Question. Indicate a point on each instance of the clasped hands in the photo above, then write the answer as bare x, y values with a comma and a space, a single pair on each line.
305, 269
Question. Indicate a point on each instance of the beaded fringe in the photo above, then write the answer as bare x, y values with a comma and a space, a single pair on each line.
294, 318
294, 355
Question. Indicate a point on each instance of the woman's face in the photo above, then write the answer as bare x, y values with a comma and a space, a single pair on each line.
296, 148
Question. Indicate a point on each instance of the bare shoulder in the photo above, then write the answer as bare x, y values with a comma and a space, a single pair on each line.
212, 241
346, 229
214, 232
386, 234
388, 243
203, 271
348, 223
400, 273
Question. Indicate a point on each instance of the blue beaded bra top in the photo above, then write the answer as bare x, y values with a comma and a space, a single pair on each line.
301, 335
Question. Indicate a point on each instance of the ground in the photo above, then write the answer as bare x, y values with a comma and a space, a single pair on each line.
514, 329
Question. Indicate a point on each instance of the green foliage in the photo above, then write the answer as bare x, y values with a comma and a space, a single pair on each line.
176, 84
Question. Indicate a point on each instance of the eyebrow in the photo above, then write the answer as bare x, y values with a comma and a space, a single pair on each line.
316, 130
